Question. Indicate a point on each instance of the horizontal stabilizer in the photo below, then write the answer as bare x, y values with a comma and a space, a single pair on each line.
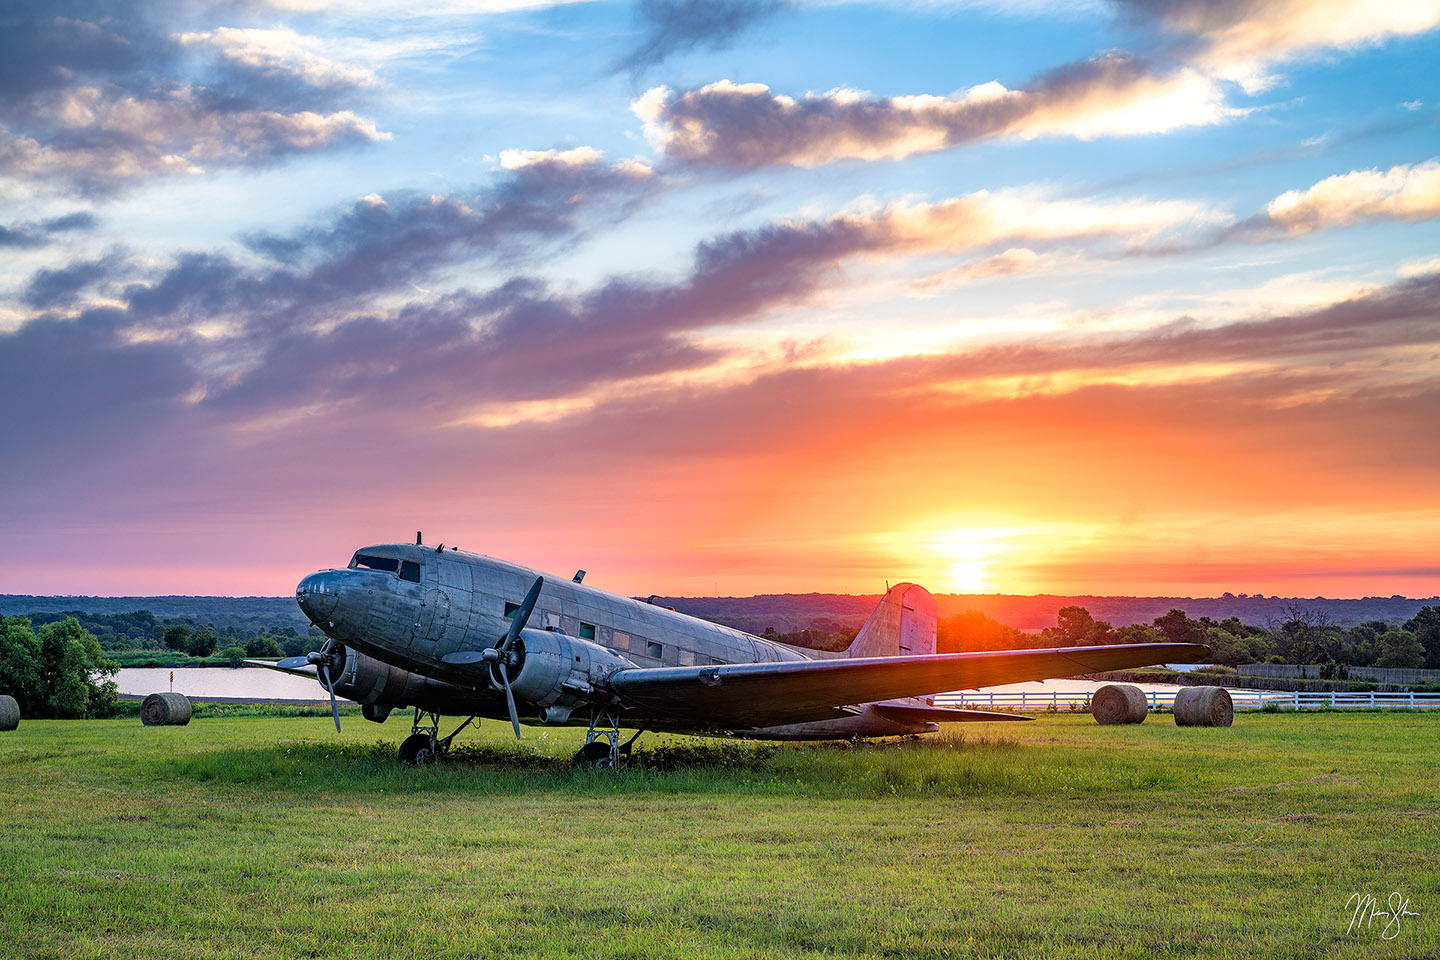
743, 695
914, 713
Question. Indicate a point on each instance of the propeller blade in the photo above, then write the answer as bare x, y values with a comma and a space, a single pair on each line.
290, 663
330, 687
465, 657
522, 615
510, 699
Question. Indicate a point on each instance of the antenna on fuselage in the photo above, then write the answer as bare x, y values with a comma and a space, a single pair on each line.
417, 538
579, 576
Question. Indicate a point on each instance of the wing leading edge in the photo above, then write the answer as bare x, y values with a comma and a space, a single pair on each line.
743, 695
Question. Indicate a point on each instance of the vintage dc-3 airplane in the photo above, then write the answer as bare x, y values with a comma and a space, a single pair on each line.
447, 632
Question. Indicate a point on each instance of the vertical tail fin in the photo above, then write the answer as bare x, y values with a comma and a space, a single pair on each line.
902, 625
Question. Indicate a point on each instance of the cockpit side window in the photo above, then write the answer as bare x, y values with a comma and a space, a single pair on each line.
370, 562
410, 570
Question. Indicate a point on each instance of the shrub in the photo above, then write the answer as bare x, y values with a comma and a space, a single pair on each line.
235, 656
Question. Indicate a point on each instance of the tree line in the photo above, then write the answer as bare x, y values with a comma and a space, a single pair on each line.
141, 630
55, 664
1300, 635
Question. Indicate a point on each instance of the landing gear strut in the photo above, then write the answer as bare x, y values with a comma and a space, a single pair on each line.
425, 745
603, 749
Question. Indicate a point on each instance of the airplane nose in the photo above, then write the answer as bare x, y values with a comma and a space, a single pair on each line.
318, 594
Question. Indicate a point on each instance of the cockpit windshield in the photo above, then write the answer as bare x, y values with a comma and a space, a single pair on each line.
409, 569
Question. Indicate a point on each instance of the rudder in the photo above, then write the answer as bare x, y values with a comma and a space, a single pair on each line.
903, 624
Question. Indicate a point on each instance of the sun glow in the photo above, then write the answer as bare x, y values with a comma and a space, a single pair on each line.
982, 555
969, 576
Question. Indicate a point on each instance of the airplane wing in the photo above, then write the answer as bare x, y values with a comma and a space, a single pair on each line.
303, 670
743, 695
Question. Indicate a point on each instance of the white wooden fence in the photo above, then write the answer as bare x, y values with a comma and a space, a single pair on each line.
1165, 699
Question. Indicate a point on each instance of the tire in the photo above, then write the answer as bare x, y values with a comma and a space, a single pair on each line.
595, 754
416, 749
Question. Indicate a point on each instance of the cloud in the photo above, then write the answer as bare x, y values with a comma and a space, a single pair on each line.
1238, 39
39, 233
95, 97
304, 324
746, 125
279, 66
377, 244
670, 27
1409, 193
49, 288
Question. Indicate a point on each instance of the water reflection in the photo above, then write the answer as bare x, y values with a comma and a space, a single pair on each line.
200, 682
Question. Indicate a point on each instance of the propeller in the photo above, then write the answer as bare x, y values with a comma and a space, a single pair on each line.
322, 659
500, 654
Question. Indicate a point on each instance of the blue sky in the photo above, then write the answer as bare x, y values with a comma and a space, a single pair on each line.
744, 295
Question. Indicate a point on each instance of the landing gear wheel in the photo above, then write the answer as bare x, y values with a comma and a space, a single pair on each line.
416, 749
595, 754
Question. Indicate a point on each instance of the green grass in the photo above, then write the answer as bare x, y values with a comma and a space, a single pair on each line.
240, 836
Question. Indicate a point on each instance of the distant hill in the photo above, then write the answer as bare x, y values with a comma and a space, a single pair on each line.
250, 614
788, 612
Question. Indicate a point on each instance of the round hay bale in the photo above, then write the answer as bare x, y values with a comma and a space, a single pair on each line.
9, 712
165, 710
1119, 703
1204, 707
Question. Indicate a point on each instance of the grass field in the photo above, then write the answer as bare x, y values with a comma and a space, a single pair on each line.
244, 836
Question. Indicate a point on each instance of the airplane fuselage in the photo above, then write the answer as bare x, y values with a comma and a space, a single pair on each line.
409, 607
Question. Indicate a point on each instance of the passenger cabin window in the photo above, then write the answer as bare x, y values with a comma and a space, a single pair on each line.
410, 570
510, 608
655, 650
587, 631
368, 562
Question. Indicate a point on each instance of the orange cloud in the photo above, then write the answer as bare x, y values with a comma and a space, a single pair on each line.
1240, 37
1400, 193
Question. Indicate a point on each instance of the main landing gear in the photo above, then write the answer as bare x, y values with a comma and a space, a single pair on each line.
425, 745
603, 749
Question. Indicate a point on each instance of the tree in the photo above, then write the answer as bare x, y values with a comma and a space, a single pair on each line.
1175, 627
177, 637
1075, 627
235, 656
262, 646
294, 644
1426, 627
202, 643
20, 665
1399, 648
1303, 634
975, 630
59, 672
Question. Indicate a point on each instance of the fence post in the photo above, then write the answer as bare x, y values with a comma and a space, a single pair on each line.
1297, 700
1372, 699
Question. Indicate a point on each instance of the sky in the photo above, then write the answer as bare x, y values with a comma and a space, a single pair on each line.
728, 297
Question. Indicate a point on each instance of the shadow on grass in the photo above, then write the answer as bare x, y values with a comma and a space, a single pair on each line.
948, 766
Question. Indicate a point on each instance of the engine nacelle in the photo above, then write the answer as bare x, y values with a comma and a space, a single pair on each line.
377, 684
557, 672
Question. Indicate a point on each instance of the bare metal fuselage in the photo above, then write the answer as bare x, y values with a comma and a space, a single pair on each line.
397, 627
